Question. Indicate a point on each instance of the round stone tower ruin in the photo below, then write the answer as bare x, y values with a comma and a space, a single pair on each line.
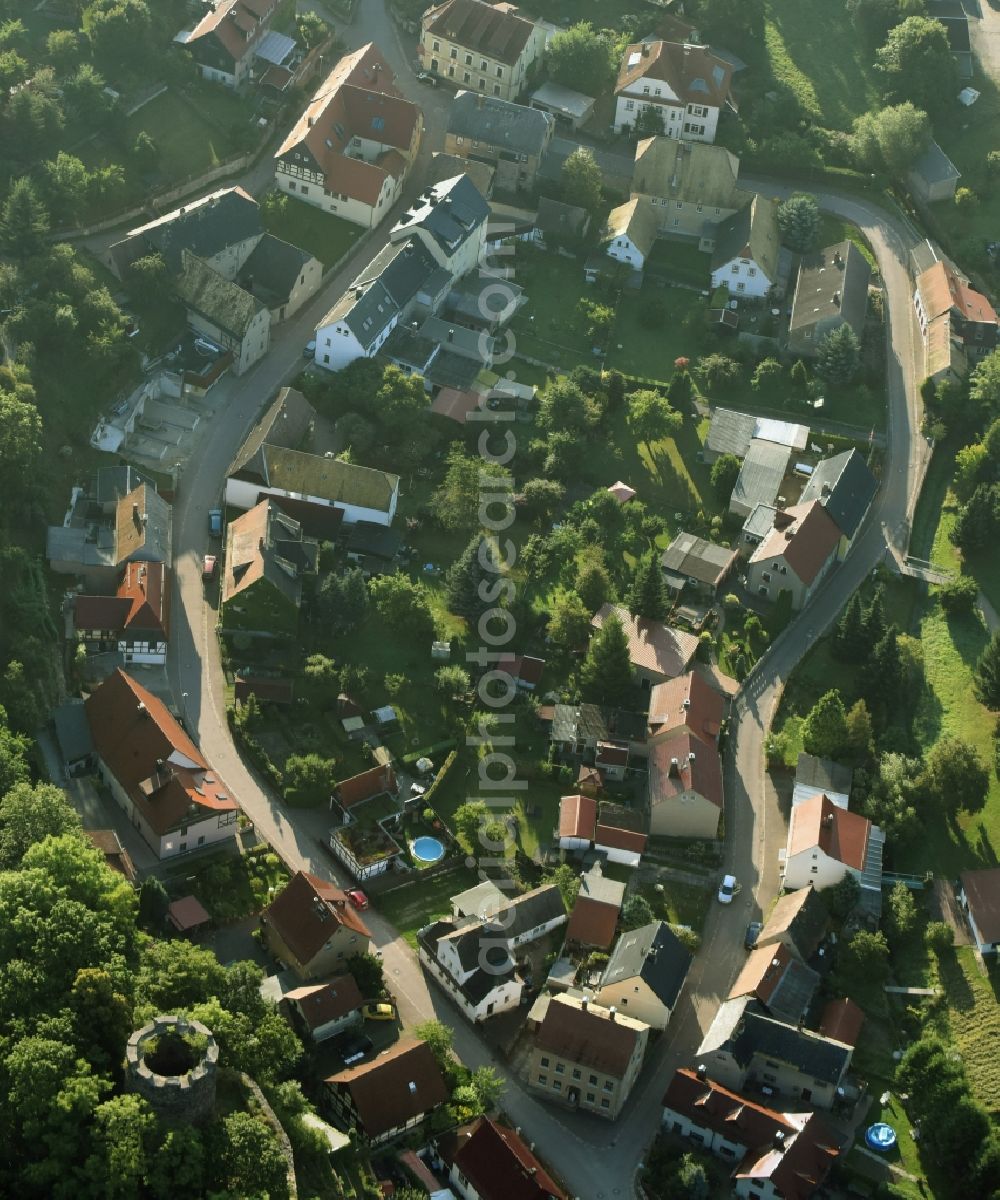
169, 1068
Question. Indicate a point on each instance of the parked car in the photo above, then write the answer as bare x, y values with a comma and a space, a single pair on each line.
751, 935
208, 565
427, 77
353, 1048
378, 1012
310, 349
358, 899
727, 889
215, 522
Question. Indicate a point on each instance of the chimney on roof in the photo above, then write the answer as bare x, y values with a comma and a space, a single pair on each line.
686, 702
675, 766
779, 1140
836, 299
826, 489
828, 819
135, 513
142, 710
451, 335
612, 1012
700, 1072
584, 1003
480, 99
837, 260
645, 50
691, 756
413, 1088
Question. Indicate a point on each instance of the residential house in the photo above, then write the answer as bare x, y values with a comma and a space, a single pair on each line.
110, 845
354, 145
508, 136
154, 771
687, 702
367, 850
447, 166
949, 309
831, 291
570, 108
135, 621
777, 978
483, 900
645, 974
775, 1155
692, 185
225, 314
472, 964
760, 478
845, 487
798, 922
746, 1048
610, 830
631, 232
596, 909
490, 1161
842, 1020
756, 527
796, 555
313, 928
320, 1010
266, 559
376, 781
692, 562
528, 917
558, 225
822, 776
979, 895
735, 432
680, 87
685, 786
933, 176
281, 276
747, 246
586, 1057
826, 842
384, 1098
225, 42
656, 651
450, 219
489, 48
579, 730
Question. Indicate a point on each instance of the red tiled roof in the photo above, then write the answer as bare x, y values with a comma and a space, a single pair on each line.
403, 1082
841, 1020
115, 854
226, 22
592, 923
277, 691
701, 774
456, 404
305, 912
611, 754
693, 73
522, 667
94, 613
652, 645
577, 817
805, 541
839, 833
689, 700
942, 289
498, 1164
359, 788
151, 756
147, 586
614, 838
320, 1003
187, 913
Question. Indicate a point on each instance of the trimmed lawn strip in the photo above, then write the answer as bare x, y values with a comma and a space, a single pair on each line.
679, 903
325, 236
413, 905
974, 1018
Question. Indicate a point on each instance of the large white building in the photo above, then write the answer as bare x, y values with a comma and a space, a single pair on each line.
680, 88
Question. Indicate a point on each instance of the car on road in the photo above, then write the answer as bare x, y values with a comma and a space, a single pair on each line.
378, 1012
428, 78
751, 935
309, 350
352, 1048
208, 566
358, 899
727, 889
215, 522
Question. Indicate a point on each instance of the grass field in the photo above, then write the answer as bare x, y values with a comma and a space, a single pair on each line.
410, 907
188, 142
974, 1020
679, 903
322, 234
817, 54
967, 139
650, 353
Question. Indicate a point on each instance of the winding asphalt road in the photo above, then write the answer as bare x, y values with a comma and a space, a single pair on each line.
595, 1160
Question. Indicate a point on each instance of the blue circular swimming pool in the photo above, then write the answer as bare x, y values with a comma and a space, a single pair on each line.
427, 849
880, 1136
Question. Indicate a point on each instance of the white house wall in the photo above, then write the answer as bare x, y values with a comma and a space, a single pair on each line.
624, 250
502, 999
358, 212
742, 277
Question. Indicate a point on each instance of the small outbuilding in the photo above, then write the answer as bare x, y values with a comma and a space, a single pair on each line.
933, 176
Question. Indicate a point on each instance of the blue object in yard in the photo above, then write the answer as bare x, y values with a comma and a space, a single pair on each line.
427, 849
880, 1136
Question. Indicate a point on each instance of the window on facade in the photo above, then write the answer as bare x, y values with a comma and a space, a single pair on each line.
741, 287
496, 89
605, 1103
543, 1080
592, 1080
291, 186
451, 72
454, 52
499, 72
466, 77
608, 1085
483, 64
751, 271
482, 85
645, 91
305, 190
735, 268
560, 1069
576, 1073
676, 221
557, 1085
544, 1062
435, 45
591, 1098
468, 60
766, 577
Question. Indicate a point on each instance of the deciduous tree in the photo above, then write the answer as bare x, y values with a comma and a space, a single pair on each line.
581, 52
402, 603
30, 813
891, 138
956, 778
581, 181
917, 64
725, 471
569, 620
651, 417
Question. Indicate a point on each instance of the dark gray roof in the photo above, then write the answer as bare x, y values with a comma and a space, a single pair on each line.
802, 917
526, 912
653, 954
479, 985
934, 166
689, 555
823, 773
453, 370
793, 995
450, 211
555, 217
447, 166
204, 229
402, 268
761, 474
72, 731
730, 432
378, 541
845, 487
273, 268
480, 300
498, 123
409, 347
586, 722
615, 166
109, 484
832, 288
595, 886
760, 522
286, 422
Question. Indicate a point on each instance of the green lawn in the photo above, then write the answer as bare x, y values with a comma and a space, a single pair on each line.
974, 1018
322, 234
189, 143
682, 261
815, 51
679, 903
410, 907
967, 138
649, 353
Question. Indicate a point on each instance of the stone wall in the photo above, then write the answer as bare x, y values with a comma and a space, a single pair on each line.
189, 1097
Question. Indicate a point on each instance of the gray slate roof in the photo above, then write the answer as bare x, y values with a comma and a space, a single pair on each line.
285, 423
934, 166
688, 555
565, 220
730, 432
401, 267
760, 522
594, 885
479, 985
653, 954
526, 912
273, 267
72, 731
845, 487
823, 773
761, 474
450, 211
204, 229
802, 916
498, 123
587, 722
831, 290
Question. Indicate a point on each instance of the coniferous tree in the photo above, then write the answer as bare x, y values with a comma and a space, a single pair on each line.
875, 623
465, 575
606, 673
839, 355
882, 676
987, 676
647, 597
850, 638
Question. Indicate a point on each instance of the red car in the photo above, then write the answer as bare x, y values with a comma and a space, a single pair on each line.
358, 899
208, 565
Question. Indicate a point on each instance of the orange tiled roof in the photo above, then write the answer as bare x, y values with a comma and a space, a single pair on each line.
839, 833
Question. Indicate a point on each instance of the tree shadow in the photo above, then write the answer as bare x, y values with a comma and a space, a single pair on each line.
969, 636
956, 987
